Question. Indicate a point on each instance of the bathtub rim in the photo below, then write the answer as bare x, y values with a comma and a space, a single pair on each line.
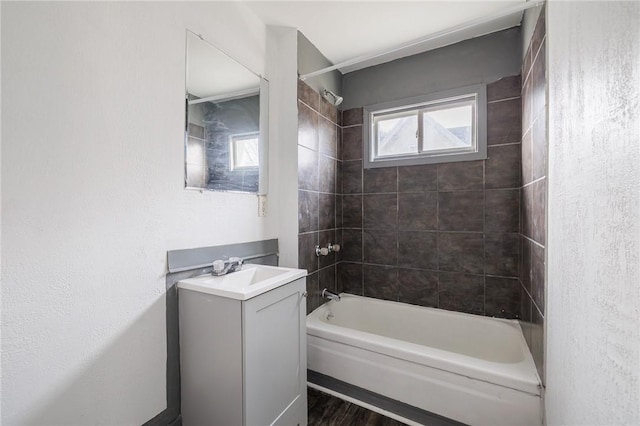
521, 376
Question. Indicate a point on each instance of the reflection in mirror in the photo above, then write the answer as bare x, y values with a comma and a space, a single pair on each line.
226, 126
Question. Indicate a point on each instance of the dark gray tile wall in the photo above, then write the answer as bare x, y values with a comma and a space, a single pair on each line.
533, 193
319, 167
444, 235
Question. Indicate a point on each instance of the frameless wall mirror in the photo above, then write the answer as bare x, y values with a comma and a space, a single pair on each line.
226, 122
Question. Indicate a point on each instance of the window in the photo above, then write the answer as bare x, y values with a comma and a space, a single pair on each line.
243, 151
438, 128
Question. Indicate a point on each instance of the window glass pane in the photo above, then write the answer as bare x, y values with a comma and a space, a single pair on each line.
397, 134
245, 151
448, 128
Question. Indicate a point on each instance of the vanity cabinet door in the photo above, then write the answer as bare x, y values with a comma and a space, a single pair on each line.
275, 359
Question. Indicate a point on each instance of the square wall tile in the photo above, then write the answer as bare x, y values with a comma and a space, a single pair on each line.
350, 278
461, 252
380, 246
527, 158
525, 263
464, 175
537, 341
418, 211
502, 210
525, 311
421, 178
539, 147
380, 211
502, 168
539, 34
324, 238
538, 208
329, 111
539, 84
327, 174
381, 282
352, 143
352, 211
351, 245
526, 206
313, 293
525, 307
537, 276
461, 292
307, 95
352, 177
418, 287
307, 127
327, 137
307, 258
339, 223
351, 117
380, 180
526, 103
307, 211
418, 249
327, 279
502, 297
526, 65
307, 169
327, 212
504, 122
502, 252
505, 88
461, 211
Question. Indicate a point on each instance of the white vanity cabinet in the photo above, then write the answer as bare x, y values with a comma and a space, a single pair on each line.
243, 362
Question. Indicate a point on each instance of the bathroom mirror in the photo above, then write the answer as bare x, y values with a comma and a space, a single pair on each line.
226, 122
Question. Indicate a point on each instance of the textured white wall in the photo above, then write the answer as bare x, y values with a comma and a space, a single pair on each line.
92, 198
282, 45
593, 299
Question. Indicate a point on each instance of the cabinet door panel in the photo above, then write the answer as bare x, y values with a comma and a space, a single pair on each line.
275, 355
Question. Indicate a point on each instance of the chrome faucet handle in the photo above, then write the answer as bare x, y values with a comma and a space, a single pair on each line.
218, 266
322, 251
333, 247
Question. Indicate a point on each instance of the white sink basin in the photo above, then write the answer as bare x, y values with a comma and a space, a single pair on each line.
251, 281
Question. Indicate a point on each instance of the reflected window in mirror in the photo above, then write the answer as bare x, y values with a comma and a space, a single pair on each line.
244, 151
226, 122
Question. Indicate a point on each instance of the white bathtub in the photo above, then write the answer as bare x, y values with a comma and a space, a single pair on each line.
473, 369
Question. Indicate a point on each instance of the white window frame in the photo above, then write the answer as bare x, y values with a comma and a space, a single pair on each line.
421, 104
232, 149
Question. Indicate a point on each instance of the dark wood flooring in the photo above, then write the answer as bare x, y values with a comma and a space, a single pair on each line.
327, 410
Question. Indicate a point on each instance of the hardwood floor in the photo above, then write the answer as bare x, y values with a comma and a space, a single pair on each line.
327, 410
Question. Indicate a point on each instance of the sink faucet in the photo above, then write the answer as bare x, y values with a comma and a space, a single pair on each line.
222, 267
330, 295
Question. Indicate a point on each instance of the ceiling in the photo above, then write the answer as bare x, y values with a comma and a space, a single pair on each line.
229, 77
343, 30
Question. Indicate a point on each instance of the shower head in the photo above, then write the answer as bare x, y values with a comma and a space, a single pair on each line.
332, 97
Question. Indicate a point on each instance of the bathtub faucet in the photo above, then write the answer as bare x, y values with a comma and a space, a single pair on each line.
330, 295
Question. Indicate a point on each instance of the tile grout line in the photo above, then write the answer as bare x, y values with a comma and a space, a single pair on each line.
533, 241
534, 181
